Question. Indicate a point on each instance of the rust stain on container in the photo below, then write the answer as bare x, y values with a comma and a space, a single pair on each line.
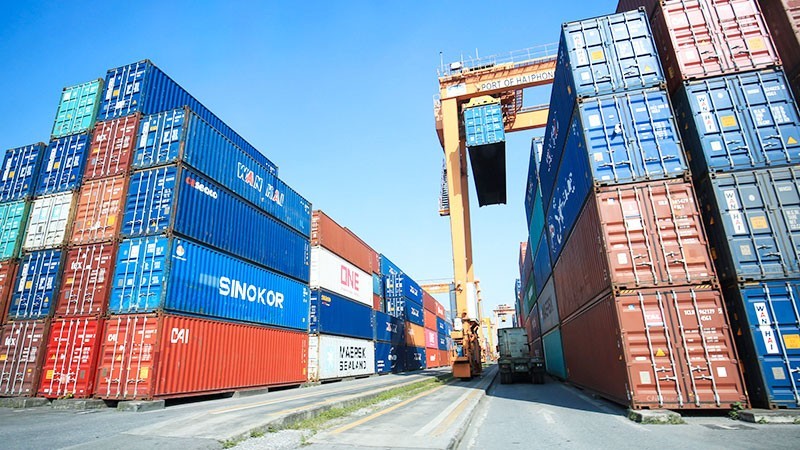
70, 364
8, 272
633, 236
87, 280
343, 243
22, 348
113, 144
166, 356
656, 348
98, 216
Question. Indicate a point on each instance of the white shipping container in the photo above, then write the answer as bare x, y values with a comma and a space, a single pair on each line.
332, 357
333, 273
49, 221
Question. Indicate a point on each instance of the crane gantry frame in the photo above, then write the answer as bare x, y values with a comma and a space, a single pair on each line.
504, 78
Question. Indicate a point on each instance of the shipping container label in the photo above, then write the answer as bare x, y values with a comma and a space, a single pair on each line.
331, 272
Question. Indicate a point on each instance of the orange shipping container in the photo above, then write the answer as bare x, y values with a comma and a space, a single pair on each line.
70, 363
415, 335
430, 320
22, 347
166, 356
343, 242
87, 279
99, 212
434, 358
444, 357
8, 271
113, 144
377, 302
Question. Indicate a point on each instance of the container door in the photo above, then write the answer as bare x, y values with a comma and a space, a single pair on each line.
149, 204
49, 220
71, 359
63, 165
36, 285
87, 280
742, 34
77, 109
112, 147
98, 212
21, 346
160, 138
13, 217
20, 172
140, 275
785, 198
127, 359
124, 87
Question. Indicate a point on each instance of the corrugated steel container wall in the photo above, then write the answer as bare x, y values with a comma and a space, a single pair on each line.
63, 165
439, 310
532, 181
783, 19
429, 320
637, 235
428, 302
524, 249
527, 264
98, 215
484, 125
180, 200
70, 364
676, 346
529, 296
8, 272
415, 358
608, 54
534, 319
13, 221
387, 357
389, 329
542, 266
704, 38
333, 273
537, 349
143, 87
441, 326
388, 267
332, 314
173, 274
377, 302
537, 219
49, 221
431, 339
413, 313
36, 286
332, 357
22, 348
180, 135
441, 341
767, 321
377, 285
20, 171
548, 307
402, 286
334, 237
86, 280
77, 109
554, 354
752, 221
432, 358
415, 335
113, 144
148, 356
739, 122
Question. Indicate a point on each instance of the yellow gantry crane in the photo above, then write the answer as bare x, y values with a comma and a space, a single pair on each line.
496, 78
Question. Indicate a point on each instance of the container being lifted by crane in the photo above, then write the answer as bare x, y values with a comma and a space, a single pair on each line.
464, 85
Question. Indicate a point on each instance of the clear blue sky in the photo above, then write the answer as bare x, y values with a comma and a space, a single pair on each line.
338, 94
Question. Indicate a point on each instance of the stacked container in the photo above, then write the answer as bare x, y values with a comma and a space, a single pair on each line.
403, 297
342, 317
632, 289
435, 332
742, 131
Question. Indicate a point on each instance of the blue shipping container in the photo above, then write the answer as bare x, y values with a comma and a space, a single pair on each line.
180, 135
754, 223
157, 273
387, 358
484, 125
739, 122
178, 199
389, 329
143, 87
542, 266
401, 286
415, 358
36, 287
771, 340
77, 109
388, 267
413, 313
532, 185
554, 354
63, 164
441, 326
13, 218
20, 172
333, 314
442, 341
377, 285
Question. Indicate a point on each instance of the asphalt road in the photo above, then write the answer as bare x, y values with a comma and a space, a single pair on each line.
555, 415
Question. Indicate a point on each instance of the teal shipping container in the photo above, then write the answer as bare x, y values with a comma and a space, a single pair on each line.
554, 354
13, 217
77, 109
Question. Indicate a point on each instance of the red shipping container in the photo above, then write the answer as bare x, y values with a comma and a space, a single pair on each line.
444, 357
428, 302
98, 216
70, 364
8, 272
377, 302
430, 320
375, 262
705, 38
632, 236
113, 144
415, 335
22, 348
434, 358
342, 242
783, 20
165, 356
440, 311
87, 280
656, 348
537, 349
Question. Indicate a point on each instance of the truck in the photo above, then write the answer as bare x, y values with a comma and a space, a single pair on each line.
515, 361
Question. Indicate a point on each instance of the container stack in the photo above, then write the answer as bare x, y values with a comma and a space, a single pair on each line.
342, 320
632, 289
404, 298
538, 252
436, 334
741, 127
783, 20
